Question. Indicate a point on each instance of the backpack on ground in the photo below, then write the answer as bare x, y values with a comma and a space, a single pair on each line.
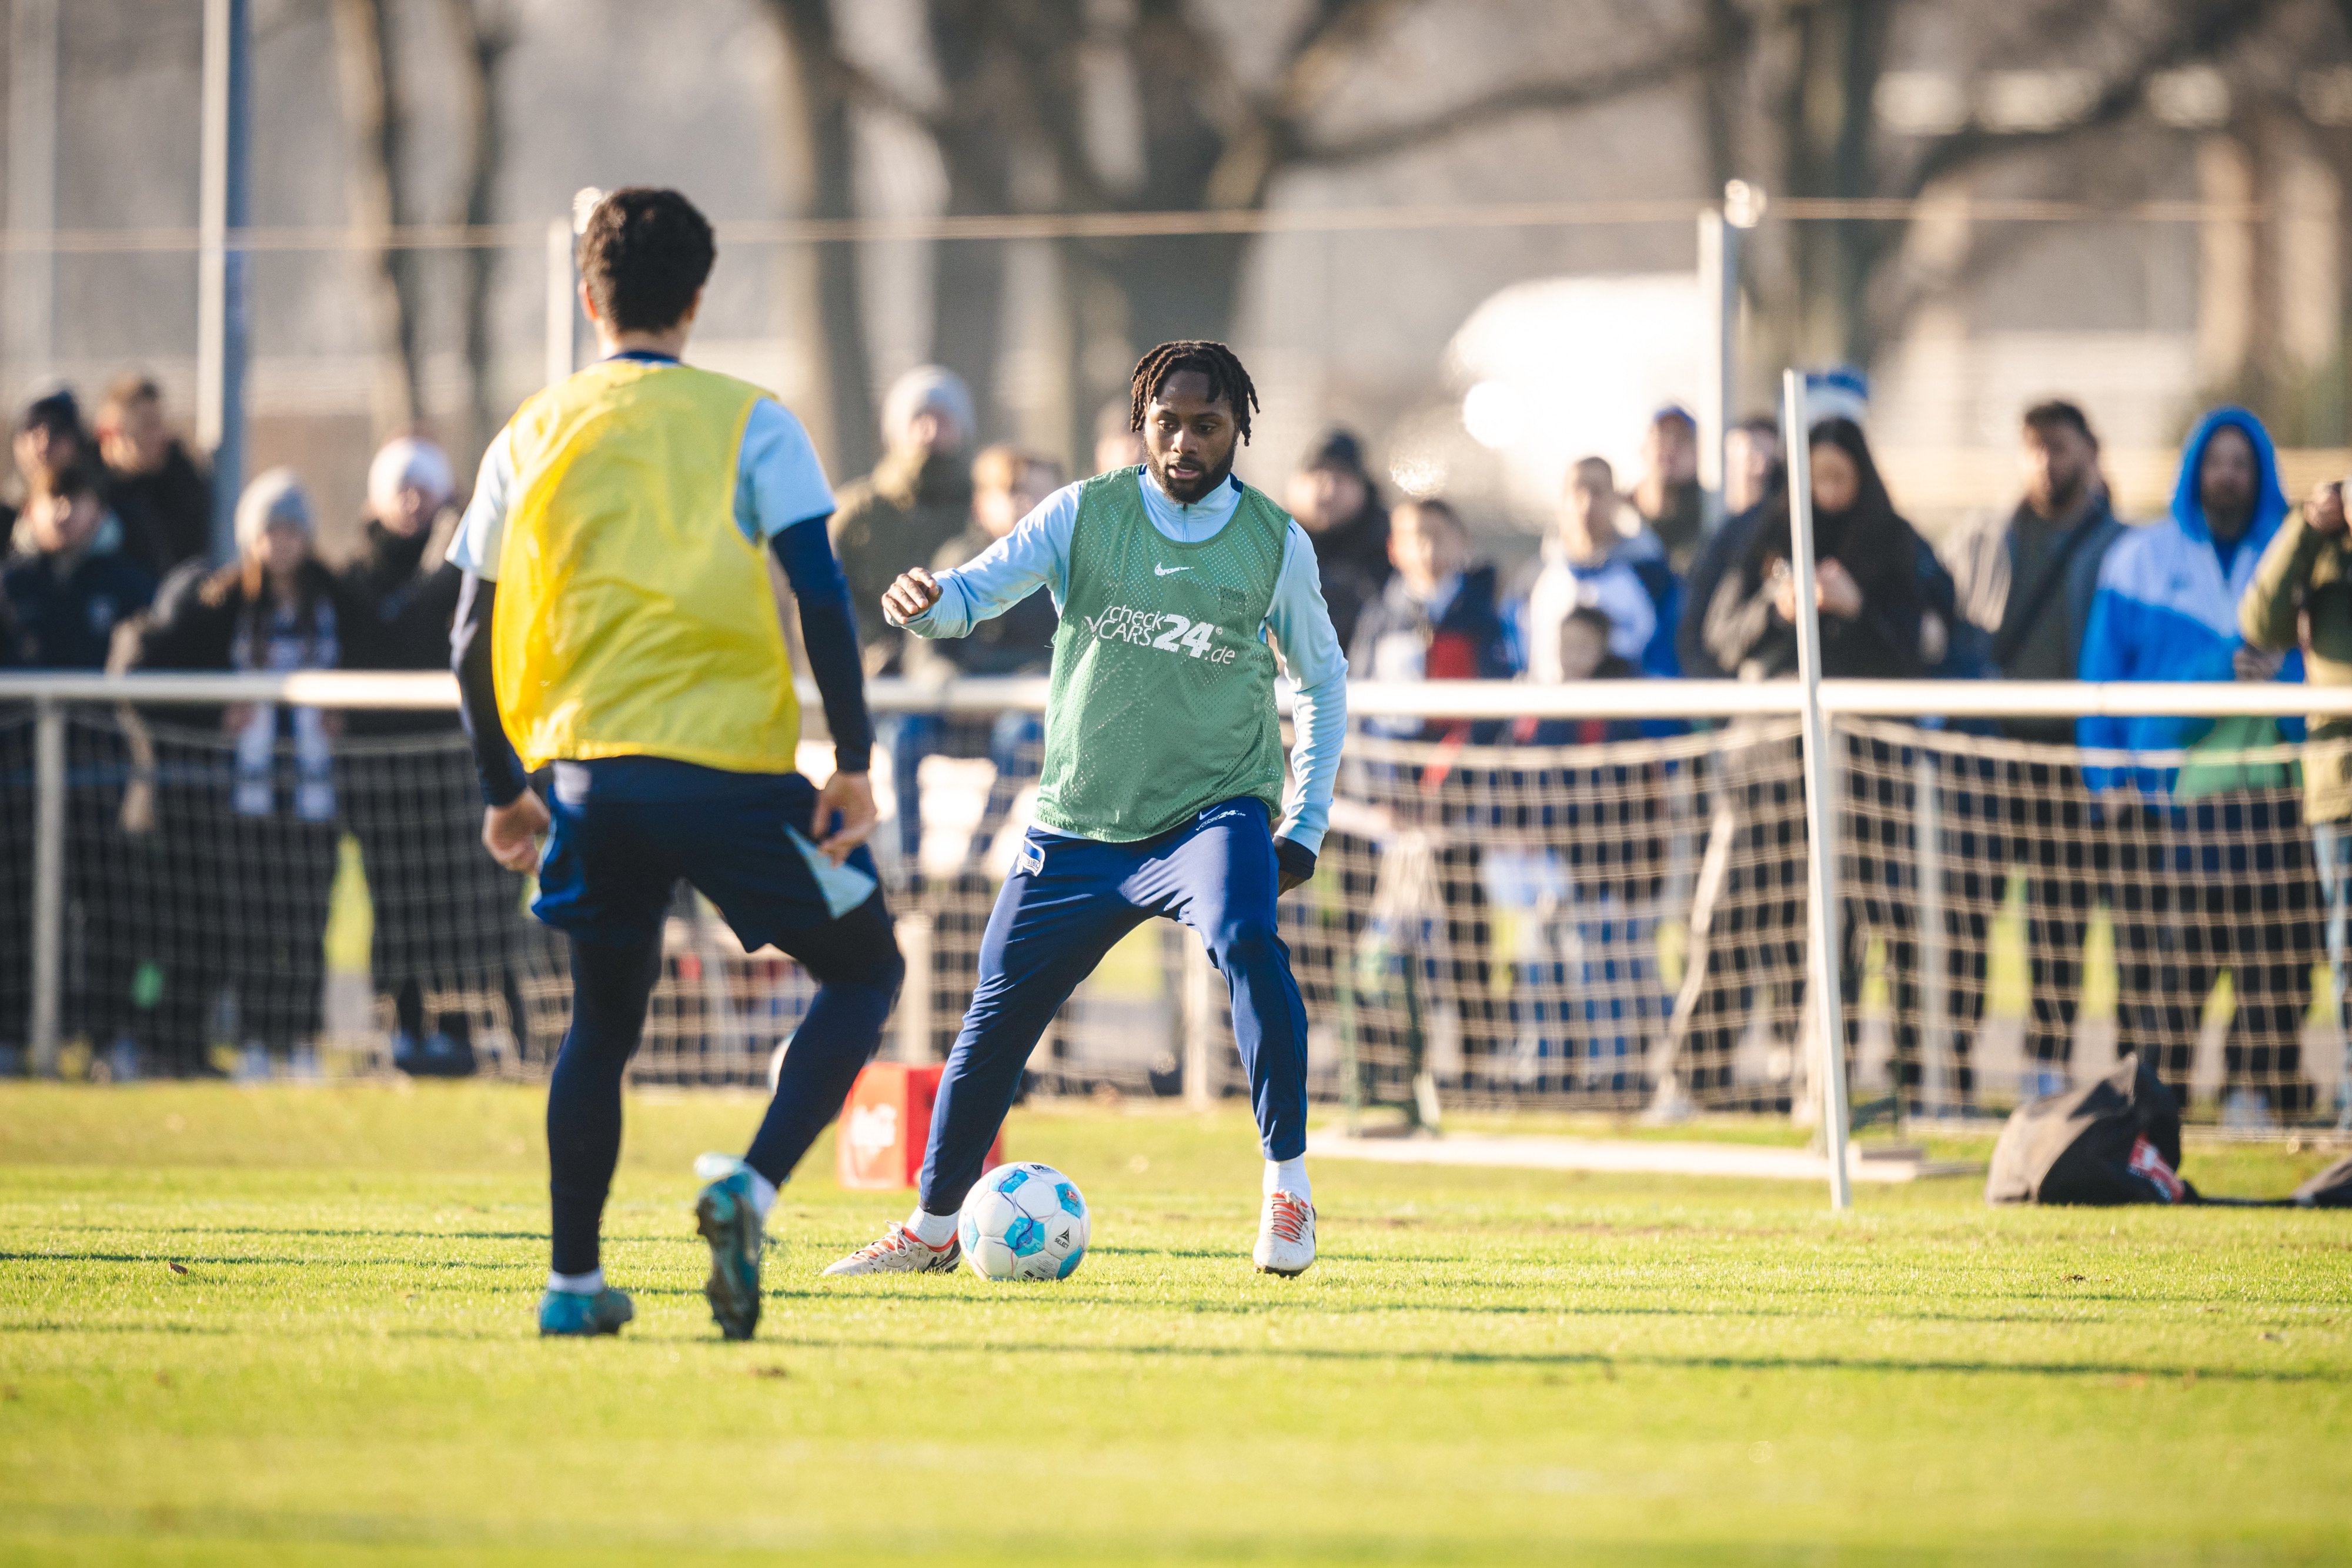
2114, 1140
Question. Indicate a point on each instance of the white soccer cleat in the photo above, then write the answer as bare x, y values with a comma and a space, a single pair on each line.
901, 1251
1286, 1236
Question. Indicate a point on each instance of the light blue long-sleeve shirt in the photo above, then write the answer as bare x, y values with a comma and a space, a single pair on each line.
1037, 554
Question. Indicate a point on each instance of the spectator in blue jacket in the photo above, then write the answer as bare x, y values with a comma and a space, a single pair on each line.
2167, 605
2198, 885
1435, 621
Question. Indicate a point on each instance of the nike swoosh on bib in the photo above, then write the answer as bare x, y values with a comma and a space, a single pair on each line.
1158, 570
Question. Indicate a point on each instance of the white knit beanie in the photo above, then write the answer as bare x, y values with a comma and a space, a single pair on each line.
276, 496
927, 386
404, 462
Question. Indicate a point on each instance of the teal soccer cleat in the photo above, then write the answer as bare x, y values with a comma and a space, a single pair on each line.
730, 1221
571, 1315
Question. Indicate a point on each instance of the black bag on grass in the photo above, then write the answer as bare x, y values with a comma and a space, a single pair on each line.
2331, 1188
2114, 1140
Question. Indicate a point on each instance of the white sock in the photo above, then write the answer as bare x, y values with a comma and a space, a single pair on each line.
1290, 1176
932, 1230
587, 1284
763, 1192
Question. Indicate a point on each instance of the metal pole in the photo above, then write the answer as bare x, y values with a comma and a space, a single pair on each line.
32, 188
48, 882
1821, 808
1938, 1084
223, 322
561, 285
1718, 300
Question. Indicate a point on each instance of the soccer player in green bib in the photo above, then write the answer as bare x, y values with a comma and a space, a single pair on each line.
618, 624
1163, 790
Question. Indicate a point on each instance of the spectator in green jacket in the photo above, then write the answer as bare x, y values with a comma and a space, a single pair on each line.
2301, 596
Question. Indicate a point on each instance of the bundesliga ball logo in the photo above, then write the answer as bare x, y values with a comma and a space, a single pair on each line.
1025, 1221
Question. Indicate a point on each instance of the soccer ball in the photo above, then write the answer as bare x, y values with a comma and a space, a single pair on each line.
1024, 1221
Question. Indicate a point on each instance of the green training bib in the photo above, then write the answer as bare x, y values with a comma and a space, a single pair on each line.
1162, 697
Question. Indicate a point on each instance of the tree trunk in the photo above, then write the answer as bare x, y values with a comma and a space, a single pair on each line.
370, 114
482, 42
823, 131
975, 146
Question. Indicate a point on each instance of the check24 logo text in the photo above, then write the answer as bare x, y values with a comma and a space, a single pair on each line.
1164, 630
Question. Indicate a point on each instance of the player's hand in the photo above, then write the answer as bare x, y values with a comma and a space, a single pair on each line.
852, 795
510, 833
2324, 512
914, 592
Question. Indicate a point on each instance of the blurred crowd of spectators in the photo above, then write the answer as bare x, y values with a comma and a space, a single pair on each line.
110, 566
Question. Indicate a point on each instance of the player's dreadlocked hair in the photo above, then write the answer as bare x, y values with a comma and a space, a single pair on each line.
1227, 380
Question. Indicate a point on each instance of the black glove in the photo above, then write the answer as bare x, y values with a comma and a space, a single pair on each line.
1297, 862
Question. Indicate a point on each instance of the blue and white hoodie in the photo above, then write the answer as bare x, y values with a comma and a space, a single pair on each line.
2166, 610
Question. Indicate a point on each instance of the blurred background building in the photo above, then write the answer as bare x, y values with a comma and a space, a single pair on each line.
2137, 203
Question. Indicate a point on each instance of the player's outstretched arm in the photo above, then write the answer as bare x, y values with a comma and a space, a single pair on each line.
513, 816
1034, 555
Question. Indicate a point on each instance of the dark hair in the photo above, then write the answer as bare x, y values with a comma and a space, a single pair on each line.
1866, 537
1437, 506
645, 254
76, 478
57, 412
1760, 424
1227, 380
1592, 460
2043, 416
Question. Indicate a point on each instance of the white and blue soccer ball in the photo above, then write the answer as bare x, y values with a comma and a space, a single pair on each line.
1024, 1221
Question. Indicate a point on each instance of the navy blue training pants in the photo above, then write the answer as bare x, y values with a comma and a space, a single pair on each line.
625, 831
1067, 901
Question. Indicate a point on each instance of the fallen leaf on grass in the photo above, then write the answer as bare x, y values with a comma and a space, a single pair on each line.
769, 1372
177, 1268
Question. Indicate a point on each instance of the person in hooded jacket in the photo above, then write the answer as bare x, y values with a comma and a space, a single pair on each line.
2202, 884
1886, 611
1879, 603
447, 917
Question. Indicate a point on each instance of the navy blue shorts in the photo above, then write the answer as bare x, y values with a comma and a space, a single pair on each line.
628, 827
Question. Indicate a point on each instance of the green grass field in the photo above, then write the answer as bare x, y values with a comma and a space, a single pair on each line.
295, 1325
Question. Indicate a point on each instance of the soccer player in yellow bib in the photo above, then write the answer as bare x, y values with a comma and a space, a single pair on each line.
617, 622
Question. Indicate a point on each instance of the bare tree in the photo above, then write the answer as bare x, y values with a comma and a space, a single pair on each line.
364, 51
483, 32
818, 129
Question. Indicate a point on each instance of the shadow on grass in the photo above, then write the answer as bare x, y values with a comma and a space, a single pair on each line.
1561, 1360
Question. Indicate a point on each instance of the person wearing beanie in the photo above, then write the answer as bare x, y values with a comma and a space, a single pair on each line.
268, 824
1333, 498
445, 916
47, 443
917, 500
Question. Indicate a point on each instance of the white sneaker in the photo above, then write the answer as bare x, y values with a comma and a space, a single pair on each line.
901, 1251
1286, 1236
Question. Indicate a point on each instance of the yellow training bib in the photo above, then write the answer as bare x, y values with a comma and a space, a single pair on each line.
632, 617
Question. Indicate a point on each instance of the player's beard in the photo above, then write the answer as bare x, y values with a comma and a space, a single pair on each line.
1216, 476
